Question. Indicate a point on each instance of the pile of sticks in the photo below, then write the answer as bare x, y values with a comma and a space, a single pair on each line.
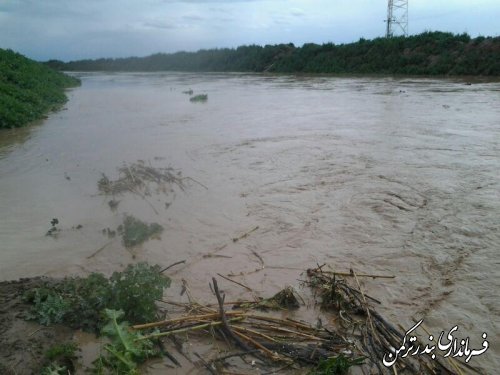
359, 333
342, 293
135, 178
271, 341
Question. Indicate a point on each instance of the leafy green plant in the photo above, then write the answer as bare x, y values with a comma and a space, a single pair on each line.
49, 306
88, 297
136, 289
80, 302
134, 231
336, 366
126, 350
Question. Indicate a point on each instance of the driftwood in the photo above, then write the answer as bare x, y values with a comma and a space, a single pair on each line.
360, 332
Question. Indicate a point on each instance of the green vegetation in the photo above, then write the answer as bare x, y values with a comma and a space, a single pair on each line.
28, 89
134, 231
126, 350
199, 98
61, 358
80, 302
283, 300
336, 366
429, 53
64, 350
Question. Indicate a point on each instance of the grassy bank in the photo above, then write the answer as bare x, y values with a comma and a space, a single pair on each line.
28, 89
429, 53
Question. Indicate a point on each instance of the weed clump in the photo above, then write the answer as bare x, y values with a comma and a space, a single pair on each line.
137, 178
134, 231
135, 291
283, 300
339, 365
80, 302
199, 98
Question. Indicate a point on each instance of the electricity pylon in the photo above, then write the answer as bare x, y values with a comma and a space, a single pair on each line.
397, 18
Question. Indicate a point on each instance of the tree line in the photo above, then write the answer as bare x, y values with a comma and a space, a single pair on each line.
429, 53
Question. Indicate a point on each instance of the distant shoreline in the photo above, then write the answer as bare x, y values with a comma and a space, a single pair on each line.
426, 54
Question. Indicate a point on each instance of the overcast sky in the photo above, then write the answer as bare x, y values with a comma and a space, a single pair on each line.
77, 29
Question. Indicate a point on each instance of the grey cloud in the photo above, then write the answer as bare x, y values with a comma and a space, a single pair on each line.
193, 18
155, 24
297, 12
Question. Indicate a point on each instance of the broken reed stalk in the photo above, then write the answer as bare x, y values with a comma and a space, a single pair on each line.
253, 332
172, 265
367, 309
185, 319
285, 330
236, 282
187, 329
280, 321
226, 328
246, 234
99, 250
207, 365
361, 275
258, 345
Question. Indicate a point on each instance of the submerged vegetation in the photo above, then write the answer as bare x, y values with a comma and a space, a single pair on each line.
28, 89
139, 178
134, 231
429, 53
199, 98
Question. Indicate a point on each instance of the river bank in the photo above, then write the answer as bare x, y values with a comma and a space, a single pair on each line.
29, 90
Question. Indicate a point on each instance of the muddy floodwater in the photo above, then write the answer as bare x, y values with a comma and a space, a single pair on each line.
383, 175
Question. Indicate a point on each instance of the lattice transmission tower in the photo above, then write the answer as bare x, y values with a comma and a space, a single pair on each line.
397, 18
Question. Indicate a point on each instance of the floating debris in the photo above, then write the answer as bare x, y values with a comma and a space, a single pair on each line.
136, 177
53, 231
283, 300
199, 98
113, 204
358, 318
134, 232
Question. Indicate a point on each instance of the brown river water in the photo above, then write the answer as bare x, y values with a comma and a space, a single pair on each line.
382, 175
